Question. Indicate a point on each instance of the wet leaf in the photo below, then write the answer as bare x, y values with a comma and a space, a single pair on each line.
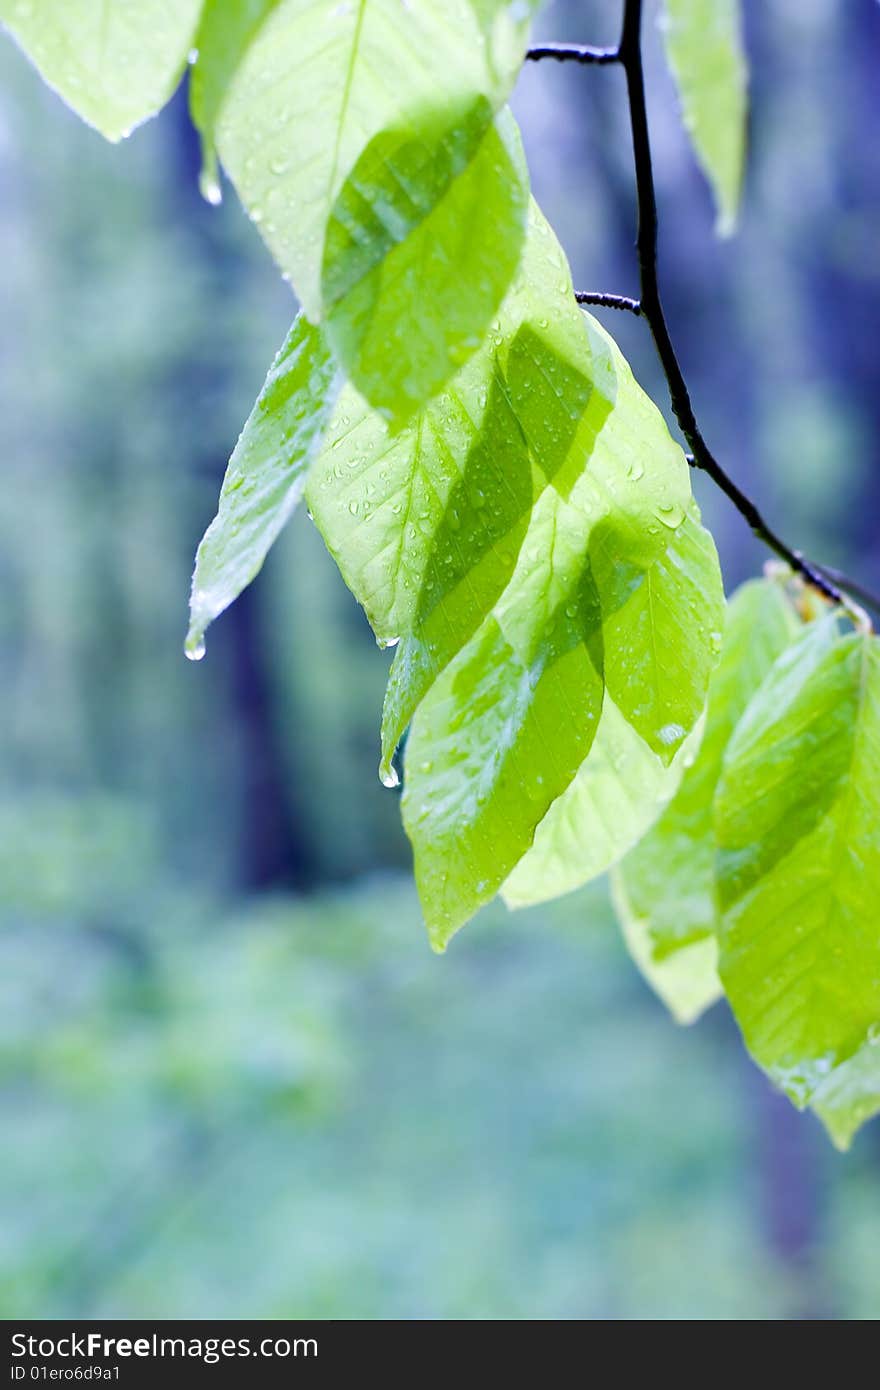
666, 885
798, 875
705, 52
115, 64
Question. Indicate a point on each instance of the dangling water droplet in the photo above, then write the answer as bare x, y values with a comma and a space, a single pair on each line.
209, 186
388, 775
195, 650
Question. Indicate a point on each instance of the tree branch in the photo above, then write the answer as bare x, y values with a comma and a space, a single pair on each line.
573, 53
628, 54
609, 301
866, 596
630, 57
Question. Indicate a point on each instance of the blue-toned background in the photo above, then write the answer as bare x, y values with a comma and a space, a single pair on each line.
233, 1079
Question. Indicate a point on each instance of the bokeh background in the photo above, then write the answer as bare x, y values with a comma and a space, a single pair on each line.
233, 1079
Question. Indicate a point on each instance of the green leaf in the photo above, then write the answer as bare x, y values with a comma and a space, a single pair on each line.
798, 875
404, 312
661, 634
621, 788
426, 523
505, 728
500, 736
666, 884
705, 53
687, 982
851, 1094
498, 537
225, 33
265, 477
115, 64
359, 137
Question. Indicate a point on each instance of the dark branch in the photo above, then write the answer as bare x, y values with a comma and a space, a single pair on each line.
609, 301
866, 596
573, 53
630, 54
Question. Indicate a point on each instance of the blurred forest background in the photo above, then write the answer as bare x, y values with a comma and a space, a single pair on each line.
233, 1079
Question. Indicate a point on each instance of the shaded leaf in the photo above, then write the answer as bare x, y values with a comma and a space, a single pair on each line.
798, 874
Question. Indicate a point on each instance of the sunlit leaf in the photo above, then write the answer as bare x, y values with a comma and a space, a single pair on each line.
426, 523
705, 52
265, 477
623, 785
227, 28
361, 139
667, 881
404, 312
502, 732
687, 981
114, 63
798, 875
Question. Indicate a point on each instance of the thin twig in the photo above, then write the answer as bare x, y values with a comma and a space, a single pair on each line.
867, 596
573, 53
630, 55
609, 301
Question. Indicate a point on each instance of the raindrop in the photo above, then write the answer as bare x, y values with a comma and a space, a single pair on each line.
210, 188
671, 733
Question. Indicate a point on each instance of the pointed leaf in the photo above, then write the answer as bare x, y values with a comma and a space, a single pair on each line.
798, 874
265, 477
507, 725
667, 881
662, 642
226, 31
705, 52
426, 524
687, 981
115, 64
621, 788
358, 137
403, 312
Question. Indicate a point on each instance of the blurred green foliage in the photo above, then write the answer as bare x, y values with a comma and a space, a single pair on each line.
233, 1080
